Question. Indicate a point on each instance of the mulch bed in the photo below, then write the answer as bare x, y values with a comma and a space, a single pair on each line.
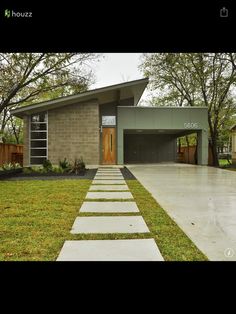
127, 174
89, 174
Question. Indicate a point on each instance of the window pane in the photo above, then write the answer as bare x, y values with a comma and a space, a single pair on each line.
38, 144
40, 117
38, 126
38, 152
38, 135
37, 161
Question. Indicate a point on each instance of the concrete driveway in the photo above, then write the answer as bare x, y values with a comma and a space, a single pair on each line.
202, 201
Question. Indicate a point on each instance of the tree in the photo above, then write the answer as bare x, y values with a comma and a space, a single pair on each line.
13, 131
195, 79
30, 77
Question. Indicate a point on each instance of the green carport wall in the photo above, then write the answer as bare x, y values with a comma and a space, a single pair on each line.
182, 120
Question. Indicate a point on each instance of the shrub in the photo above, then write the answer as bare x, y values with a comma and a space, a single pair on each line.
38, 169
47, 165
34, 169
11, 166
82, 163
78, 166
58, 170
27, 170
64, 165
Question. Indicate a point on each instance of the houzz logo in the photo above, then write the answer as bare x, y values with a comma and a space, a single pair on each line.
10, 13
7, 13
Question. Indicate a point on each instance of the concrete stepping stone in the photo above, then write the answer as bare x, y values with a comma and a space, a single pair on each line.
109, 195
109, 167
108, 181
111, 224
108, 170
108, 188
109, 177
104, 169
116, 173
108, 174
109, 207
110, 250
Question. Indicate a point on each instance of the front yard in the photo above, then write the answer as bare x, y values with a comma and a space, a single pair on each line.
36, 218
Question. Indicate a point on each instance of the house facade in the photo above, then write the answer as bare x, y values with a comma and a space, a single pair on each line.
106, 126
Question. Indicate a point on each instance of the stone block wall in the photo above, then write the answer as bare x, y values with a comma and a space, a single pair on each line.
73, 132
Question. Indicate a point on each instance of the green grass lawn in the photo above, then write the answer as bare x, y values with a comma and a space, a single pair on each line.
224, 162
36, 218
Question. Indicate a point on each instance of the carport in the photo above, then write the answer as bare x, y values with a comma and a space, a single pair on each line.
149, 134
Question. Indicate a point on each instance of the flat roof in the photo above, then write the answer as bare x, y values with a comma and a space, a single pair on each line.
102, 95
164, 107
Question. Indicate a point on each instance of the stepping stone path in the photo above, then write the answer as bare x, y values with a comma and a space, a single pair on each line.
109, 184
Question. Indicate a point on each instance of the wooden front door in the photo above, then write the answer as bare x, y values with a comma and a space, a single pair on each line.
109, 146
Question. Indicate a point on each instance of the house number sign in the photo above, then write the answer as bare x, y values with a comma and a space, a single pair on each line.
191, 125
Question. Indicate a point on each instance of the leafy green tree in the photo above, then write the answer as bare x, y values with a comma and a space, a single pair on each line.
26, 78
195, 79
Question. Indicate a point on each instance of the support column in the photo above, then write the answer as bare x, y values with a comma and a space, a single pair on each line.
120, 146
233, 137
202, 147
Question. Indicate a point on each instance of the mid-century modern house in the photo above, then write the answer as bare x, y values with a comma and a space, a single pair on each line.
107, 126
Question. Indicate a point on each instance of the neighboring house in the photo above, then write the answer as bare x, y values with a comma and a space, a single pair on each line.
106, 126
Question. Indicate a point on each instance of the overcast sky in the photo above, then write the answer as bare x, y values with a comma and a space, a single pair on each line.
115, 68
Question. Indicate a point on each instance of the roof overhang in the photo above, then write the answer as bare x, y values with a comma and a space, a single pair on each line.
102, 95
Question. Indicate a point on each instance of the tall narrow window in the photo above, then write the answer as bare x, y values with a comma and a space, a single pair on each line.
38, 138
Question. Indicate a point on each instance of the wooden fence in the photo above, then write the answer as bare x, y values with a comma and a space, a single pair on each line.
11, 153
188, 155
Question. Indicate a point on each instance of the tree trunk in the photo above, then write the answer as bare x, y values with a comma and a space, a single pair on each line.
213, 142
179, 147
16, 135
213, 146
2, 134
